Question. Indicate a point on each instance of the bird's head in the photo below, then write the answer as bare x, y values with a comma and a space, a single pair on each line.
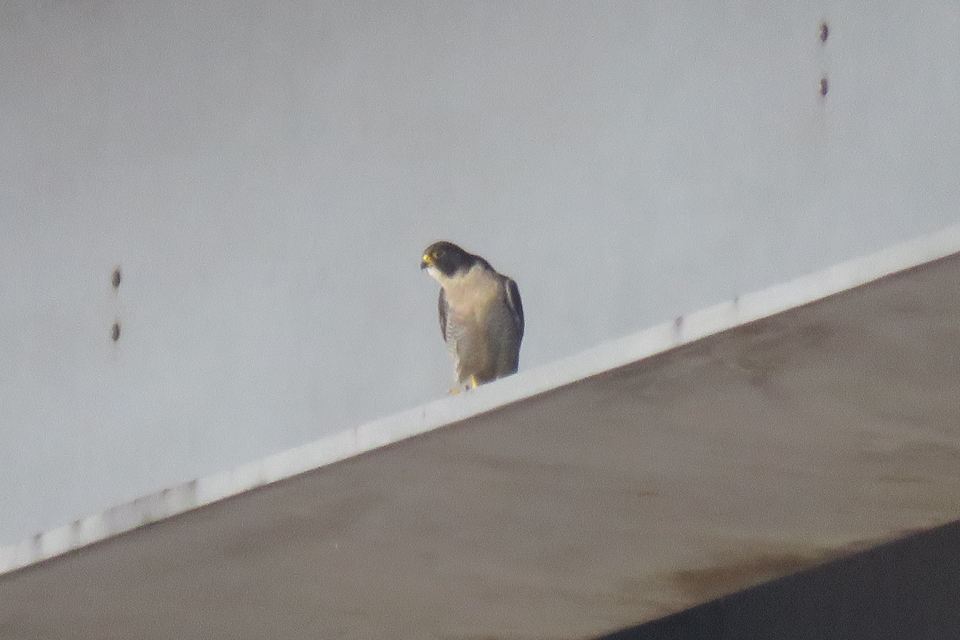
447, 259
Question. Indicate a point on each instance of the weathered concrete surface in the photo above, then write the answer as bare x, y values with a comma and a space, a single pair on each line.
620, 498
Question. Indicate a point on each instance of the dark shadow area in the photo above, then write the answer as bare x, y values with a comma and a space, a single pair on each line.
904, 590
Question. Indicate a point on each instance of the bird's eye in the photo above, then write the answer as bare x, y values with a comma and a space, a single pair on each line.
437, 253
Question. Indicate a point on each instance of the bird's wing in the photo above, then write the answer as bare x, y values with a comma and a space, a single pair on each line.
514, 304
442, 308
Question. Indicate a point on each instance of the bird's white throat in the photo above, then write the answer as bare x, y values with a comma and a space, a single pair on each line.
470, 290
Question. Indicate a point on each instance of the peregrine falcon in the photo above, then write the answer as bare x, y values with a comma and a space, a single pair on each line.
481, 316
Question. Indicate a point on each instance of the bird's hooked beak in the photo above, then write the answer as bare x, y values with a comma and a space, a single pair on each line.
426, 261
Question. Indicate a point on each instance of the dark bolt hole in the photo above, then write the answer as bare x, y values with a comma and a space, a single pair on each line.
115, 280
824, 32
823, 86
115, 331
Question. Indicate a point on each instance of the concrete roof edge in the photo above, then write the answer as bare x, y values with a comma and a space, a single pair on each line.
366, 437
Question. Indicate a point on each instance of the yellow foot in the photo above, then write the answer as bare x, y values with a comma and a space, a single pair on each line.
471, 383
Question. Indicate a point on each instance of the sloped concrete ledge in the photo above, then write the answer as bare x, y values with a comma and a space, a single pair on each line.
609, 355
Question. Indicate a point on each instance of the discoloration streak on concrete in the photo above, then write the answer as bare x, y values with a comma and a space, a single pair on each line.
727, 574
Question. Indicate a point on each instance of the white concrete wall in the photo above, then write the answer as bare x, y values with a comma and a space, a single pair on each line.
266, 174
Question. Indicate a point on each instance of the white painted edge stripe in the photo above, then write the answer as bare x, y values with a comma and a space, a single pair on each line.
604, 357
